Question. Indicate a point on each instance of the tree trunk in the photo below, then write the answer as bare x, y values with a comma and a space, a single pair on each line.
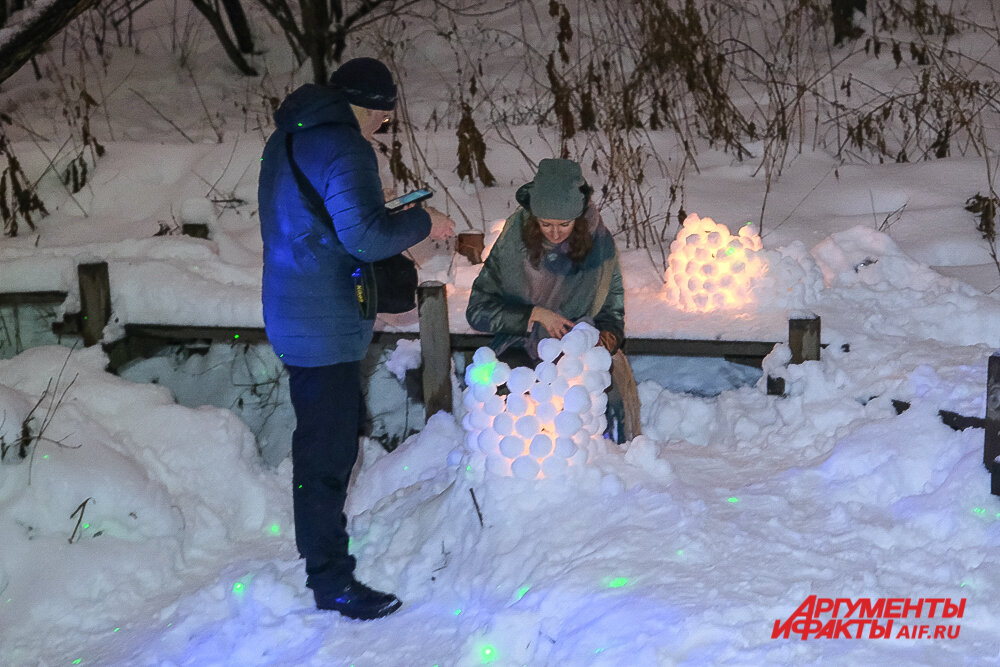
29, 37
240, 25
219, 26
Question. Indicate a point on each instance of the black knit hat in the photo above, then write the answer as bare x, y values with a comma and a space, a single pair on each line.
366, 82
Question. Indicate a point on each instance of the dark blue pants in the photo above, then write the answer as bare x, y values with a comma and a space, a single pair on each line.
329, 413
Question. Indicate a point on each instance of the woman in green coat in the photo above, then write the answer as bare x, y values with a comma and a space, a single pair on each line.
554, 264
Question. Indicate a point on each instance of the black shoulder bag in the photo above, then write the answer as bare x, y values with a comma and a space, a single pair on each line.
386, 286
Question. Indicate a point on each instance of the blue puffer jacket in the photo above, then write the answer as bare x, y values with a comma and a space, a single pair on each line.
310, 309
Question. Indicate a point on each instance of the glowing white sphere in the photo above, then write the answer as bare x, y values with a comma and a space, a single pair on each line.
567, 423
549, 349
525, 467
470, 401
541, 392
574, 344
559, 386
564, 447
541, 446
480, 420
546, 372
527, 426
517, 405
484, 355
493, 406
511, 446
591, 334
498, 465
503, 423
546, 411
520, 380
597, 359
489, 440
500, 373
570, 367
482, 392
577, 399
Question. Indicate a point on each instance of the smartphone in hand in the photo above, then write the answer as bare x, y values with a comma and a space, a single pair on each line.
398, 203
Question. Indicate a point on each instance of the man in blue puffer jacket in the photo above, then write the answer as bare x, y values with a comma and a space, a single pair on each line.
311, 311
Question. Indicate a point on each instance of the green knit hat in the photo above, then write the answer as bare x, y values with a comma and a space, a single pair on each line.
559, 191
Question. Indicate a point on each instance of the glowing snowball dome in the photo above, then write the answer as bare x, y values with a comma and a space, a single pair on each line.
710, 269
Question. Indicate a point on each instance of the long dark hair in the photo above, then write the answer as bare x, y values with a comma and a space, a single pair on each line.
581, 242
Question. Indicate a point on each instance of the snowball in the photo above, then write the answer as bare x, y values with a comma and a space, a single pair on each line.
527, 426
546, 372
565, 447
483, 391
567, 423
489, 440
597, 359
498, 465
484, 355
512, 446
570, 367
520, 380
472, 441
493, 406
546, 412
577, 399
541, 392
559, 387
480, 420
517, 405
549, 349
541, 446
525, 467
500, 373
593, 382
470, 401
574, 344
503, 423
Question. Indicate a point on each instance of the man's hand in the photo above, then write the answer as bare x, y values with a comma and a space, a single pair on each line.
553, 322
442, 227
608, 340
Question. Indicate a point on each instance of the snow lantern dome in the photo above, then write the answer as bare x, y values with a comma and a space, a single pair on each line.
539, 428
710, 269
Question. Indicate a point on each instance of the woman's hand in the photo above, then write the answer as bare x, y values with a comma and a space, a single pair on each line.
553, 322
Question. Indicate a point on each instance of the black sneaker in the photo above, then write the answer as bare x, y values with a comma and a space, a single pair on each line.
358, 601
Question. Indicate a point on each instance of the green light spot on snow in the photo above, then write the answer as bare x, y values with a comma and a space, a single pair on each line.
733, 499
239, 588
275, 529
481, 374
680, 552
522, 591
599, 650
77, 661
488, 654
86, 526
406, 467
116, 630
730, 250
458, 612
468, 468
981, 511
45, 456
618, 582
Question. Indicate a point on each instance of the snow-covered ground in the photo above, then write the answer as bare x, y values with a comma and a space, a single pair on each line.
144, 526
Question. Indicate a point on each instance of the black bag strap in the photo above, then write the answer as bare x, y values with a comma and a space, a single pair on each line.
314, 202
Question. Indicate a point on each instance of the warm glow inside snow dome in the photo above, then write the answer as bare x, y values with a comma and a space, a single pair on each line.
541, 426
710, 269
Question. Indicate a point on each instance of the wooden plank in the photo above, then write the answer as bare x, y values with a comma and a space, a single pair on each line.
32, 298
95, 301
435, 347
187, 333
991, 441
803, 339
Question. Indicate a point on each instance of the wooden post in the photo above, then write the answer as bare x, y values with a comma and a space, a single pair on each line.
991, 442
435, 346
95, 301
803, 339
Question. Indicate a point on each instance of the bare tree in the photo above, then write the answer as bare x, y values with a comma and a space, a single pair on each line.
38, 25
241, 30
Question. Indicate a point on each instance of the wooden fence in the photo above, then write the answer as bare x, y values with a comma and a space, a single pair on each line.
437, 344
